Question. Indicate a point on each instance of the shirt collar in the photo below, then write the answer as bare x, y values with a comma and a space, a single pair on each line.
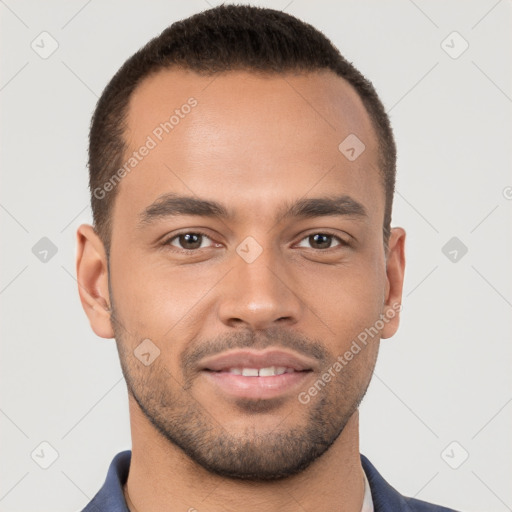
111, 497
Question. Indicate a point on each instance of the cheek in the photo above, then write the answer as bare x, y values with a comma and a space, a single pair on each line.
346, 299
156, 300
141, 295
347, 302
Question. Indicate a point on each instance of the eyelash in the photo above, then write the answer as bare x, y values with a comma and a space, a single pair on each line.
167, 242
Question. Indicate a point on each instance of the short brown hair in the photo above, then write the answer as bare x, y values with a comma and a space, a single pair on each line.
228, 37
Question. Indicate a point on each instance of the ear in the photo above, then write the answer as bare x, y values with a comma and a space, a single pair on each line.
395, 268
92, 276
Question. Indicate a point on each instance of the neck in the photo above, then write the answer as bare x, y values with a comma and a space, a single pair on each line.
162, 477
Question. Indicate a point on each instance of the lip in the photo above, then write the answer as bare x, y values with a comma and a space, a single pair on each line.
216, 371
256, 388
254, 359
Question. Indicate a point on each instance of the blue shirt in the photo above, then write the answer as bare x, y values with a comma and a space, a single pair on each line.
110, 497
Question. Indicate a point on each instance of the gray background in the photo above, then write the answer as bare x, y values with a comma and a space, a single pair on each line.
444, 377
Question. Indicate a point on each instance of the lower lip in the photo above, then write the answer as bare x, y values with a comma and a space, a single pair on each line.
256, 387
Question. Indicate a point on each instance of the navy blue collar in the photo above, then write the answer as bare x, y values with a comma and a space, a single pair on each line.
110, 498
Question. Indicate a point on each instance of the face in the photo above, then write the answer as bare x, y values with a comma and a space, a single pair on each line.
247, 256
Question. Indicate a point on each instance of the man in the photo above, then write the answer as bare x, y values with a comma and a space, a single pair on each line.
242, 176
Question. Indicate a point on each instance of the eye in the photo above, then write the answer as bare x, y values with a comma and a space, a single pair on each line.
189, 241
322, 241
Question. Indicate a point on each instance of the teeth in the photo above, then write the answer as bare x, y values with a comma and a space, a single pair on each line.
268, 372
262, 372
250, 372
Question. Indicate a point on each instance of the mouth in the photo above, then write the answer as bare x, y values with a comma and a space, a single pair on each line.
256, 375
269, 371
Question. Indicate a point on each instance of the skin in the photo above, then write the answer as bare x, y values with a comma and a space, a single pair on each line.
252, 143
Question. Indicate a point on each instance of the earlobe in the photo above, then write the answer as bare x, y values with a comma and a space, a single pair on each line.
395, 268
92, 277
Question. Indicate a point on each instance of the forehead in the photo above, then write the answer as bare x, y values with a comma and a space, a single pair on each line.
323, 100
246, 137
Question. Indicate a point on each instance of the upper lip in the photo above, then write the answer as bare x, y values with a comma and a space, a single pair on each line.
253, 359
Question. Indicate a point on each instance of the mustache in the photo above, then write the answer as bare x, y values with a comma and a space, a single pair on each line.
272, 337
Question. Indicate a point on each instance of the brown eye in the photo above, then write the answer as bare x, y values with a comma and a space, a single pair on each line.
321, 241
188, 241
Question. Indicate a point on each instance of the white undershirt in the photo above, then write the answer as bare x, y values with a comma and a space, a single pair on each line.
367, 501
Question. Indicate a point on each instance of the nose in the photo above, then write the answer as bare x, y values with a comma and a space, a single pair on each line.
259, 295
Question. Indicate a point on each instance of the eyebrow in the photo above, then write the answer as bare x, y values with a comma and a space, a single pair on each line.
170, 205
